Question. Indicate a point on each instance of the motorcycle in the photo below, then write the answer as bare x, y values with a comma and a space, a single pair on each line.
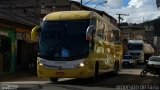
151, 69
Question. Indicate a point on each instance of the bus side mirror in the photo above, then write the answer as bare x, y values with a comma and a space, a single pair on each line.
35, 34
89, 33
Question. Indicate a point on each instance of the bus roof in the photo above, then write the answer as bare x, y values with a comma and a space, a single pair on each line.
70, 15
75, 15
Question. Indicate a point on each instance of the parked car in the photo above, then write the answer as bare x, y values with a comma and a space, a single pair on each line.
152, 67
129, 60
154, 60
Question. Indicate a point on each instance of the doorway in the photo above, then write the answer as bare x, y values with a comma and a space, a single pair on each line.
5, 53
26, 57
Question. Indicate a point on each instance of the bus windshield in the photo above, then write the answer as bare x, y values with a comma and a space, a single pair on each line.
135, 47
62, 40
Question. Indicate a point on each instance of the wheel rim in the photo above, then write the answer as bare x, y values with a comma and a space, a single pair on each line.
143, 73
96, 72
116, 67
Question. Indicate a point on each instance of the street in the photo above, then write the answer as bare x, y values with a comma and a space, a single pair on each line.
80, 39
127, 78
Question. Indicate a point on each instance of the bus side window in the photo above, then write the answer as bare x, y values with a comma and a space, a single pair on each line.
103, 36
99, 33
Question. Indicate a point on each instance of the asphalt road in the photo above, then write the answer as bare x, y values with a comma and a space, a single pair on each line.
128, 78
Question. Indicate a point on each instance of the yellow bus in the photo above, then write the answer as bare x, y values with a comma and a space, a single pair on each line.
75, 44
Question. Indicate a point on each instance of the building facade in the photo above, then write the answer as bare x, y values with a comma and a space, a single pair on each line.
157, 44
145, 33
16, 49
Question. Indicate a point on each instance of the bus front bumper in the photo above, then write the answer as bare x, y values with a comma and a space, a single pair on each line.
81, 72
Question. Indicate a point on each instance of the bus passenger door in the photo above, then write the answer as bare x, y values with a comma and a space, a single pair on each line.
101, 55
108, 57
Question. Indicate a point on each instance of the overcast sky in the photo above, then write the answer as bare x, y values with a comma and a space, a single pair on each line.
137, 10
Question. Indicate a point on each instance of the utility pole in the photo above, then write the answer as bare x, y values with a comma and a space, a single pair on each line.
119, 18
124, 40
81, 5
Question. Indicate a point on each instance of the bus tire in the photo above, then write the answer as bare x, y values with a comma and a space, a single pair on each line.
116, 68
143, 73
96, 72
53, 80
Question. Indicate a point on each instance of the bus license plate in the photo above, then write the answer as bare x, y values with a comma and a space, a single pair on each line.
60, 73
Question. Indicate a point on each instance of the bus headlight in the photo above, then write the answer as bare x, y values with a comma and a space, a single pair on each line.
39, 62
81, 64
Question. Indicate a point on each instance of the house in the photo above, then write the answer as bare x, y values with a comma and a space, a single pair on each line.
138, 32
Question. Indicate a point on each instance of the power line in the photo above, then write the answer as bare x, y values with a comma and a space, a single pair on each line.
112, 9
100, 3
87, 2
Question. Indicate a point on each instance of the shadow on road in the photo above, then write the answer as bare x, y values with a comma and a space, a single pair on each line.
138, 66
127, 76
109, 81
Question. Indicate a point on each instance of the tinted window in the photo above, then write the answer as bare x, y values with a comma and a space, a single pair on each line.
64, 39
135, 47
127, 57
157, 59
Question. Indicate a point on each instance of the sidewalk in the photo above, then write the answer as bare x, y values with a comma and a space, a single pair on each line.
11, 76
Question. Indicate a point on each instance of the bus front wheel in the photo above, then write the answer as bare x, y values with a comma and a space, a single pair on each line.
116, 68
53, 80
96, 73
